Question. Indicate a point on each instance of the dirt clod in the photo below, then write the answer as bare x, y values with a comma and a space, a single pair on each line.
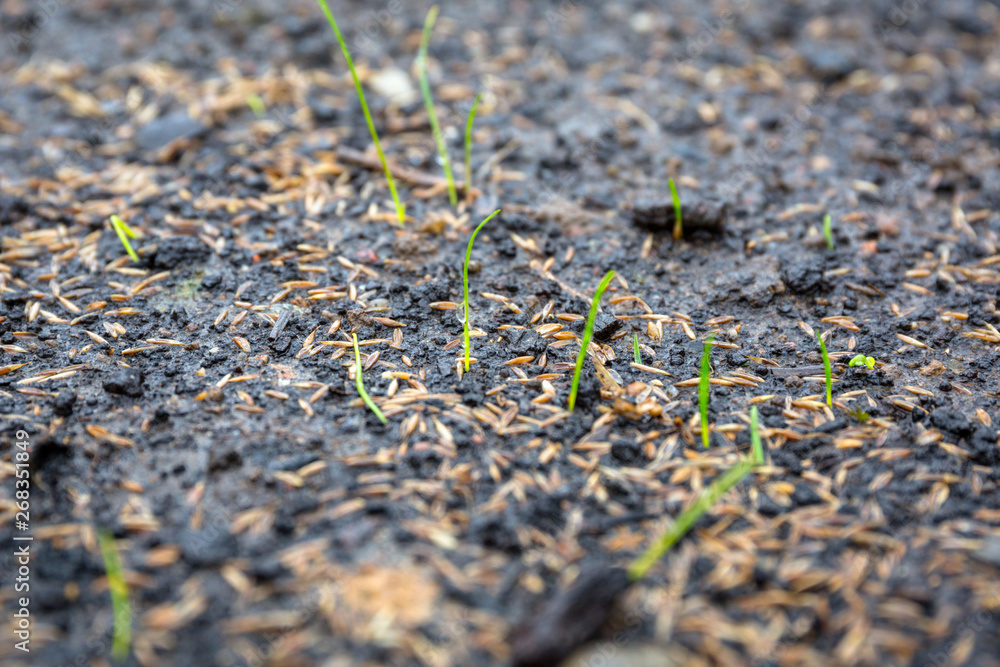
127, 381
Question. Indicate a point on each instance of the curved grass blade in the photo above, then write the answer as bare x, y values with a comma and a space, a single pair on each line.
400, 208
828, 232
468, 143
688, 518
678, 224
704, 385
360, 382
636, 354
588, 332
120, 606
826, 370
425, 89
465, 288
124, 232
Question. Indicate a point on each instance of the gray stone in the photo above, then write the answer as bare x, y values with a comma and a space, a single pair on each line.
166, 129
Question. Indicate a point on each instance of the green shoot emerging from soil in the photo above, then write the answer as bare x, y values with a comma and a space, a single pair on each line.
828, 232
124, 234
120, 606
862, 360
757, 446
690, 516
588, 332
400, 209
703, 389
360, 382
678, 224
256, 105
826, 370
465, 288
425, 89
635, 349
468, 143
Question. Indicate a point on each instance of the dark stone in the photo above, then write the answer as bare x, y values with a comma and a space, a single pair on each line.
989, 553
163, 130
224, 456
525, 342
211, 281
175, 251
628, 451
569, 620
826, 62
834, 426
606, 326
127, 381
206, 548
951, 420
803, 277
267, 569
983, 445
805, 495
63, 405
494, 532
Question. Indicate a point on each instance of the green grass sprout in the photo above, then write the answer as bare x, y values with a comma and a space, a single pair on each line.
826, 370
704, 386
758, 447
425, 89
465, 288
588, 332
360, 382
678, 224
124, 232
121, 608
468, 143
860, 415
400, 208
635, 348
862, 360
828, 232
256, 105
686, 520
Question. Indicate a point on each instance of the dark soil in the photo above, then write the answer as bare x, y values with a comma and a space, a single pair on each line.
200, 404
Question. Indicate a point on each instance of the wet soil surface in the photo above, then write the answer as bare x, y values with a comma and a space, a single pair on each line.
200, 404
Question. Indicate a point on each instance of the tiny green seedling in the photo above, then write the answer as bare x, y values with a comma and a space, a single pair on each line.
465, 288
468, 143
636, 354
860, 415
826, 370
828, 232
256, 105
678, 224
400, 208
124, 233
862, 360
360, 382
588, 332
121, 609
425, 89
686, 520
704, 385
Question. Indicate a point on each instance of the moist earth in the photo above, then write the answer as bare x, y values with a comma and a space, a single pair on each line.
200, 404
